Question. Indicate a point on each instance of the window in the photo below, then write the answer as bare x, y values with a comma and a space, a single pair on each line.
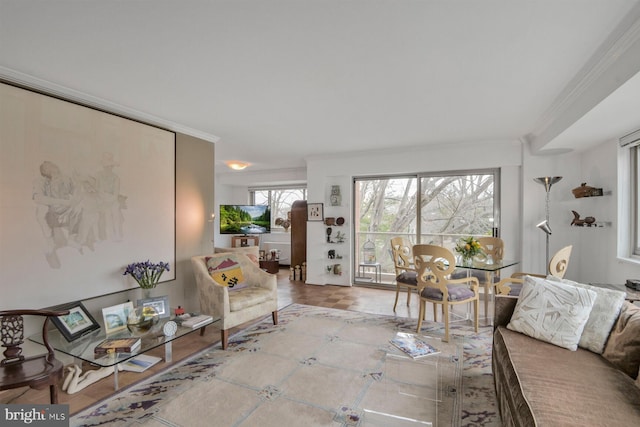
424, 208
280, 199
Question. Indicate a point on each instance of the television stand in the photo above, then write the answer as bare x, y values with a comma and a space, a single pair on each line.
245, 241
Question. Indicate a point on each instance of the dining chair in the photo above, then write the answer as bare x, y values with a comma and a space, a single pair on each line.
403, 263
434, 265
493, 250
557, 265
17, 370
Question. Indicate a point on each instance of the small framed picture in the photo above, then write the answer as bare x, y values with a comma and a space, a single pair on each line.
262, 253
115, 317
77, 323
315, 212
160, 304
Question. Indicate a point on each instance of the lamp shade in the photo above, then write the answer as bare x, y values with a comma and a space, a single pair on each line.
547, 181
544, 226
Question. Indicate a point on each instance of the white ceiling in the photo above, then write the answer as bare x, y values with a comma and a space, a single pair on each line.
280, 81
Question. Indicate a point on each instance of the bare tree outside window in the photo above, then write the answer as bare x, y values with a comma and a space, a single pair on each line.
451, 205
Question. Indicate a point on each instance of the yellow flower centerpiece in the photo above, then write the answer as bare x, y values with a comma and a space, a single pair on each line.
468, 248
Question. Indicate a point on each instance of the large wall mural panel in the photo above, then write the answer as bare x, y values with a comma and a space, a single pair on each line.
83, 193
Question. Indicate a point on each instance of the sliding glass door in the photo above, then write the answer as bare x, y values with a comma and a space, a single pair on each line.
424, 208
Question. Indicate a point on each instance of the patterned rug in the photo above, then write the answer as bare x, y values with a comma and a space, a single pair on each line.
317, 367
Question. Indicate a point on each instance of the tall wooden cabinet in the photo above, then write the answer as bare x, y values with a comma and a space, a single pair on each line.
298, 232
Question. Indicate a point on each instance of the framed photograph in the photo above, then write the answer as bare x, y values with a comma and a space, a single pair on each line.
315, 212
160, 304
77, 323
115, 317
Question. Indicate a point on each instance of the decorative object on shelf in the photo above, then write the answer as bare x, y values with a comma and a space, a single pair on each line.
169, 329
115, 317
340, 220
332, 253
369, 252
336, 197
146, 274
283, 223
329, 231
329, 221
142, 319
77, 323
547, 181
586, 191
179, 311
340, 236
579, 222
315, 212
468, 248
160, 304
337, 269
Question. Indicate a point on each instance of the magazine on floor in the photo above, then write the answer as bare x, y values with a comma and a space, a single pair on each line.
140, 363
413, 345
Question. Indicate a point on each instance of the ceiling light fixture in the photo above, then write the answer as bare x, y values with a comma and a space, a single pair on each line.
237, 164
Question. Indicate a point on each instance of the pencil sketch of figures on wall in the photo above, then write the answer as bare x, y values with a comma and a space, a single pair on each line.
54, 195
76, 211
111, 218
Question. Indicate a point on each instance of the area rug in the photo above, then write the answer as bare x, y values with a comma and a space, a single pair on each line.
317, 367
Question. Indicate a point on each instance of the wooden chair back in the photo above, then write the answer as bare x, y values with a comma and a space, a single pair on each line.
402, 255
493, 247
434, 265
18, 370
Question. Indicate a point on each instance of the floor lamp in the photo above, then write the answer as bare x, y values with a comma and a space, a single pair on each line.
547, 181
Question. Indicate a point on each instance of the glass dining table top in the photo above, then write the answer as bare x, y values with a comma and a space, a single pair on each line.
483, 266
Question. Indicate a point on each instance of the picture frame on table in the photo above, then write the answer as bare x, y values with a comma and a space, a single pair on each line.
160, 304
78, 323
315, 212
115, 317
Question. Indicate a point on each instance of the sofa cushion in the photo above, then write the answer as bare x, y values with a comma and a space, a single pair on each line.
226, 271
552, 312
623, 346
540, 384
456, 293
408, 277
602, 317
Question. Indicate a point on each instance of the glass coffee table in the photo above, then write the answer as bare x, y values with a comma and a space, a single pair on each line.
82, 348
411, 390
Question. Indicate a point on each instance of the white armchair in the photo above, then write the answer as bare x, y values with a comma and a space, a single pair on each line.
256, 298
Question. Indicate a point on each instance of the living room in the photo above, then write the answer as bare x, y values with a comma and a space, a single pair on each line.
558, 139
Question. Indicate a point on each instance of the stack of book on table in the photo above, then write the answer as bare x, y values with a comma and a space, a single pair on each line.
196, 321
117, 345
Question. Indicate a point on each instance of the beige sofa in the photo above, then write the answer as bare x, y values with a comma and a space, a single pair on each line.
542, 384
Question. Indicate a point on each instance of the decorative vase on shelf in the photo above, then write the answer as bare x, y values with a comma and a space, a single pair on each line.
142, 319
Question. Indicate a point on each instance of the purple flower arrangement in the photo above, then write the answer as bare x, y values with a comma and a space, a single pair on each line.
147, 274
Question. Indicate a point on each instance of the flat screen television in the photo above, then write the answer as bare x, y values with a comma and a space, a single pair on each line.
245, 219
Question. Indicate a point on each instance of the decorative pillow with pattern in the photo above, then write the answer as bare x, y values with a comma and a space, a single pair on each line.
602, 317
552, 312
252, 252
226, 271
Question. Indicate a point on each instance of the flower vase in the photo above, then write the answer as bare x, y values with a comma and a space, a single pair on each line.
467, 261
146, 293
